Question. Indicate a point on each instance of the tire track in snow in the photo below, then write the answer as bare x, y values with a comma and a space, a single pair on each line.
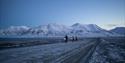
76, 55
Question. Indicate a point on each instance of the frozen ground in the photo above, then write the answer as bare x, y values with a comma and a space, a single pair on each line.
110, 50
40, 53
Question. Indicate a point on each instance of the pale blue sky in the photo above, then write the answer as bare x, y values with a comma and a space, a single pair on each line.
105, 13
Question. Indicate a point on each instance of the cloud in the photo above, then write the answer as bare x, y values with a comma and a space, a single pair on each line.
112, 25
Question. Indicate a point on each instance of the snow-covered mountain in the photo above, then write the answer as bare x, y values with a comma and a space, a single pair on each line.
15, 30
57, 30
89, 30
119, 30
86, 28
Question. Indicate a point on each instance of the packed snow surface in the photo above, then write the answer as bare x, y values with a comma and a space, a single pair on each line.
109, 51
38, 54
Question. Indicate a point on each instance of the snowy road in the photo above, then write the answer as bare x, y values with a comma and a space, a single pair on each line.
76, 55
71, 52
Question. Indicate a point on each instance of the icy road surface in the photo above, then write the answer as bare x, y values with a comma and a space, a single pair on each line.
51, 53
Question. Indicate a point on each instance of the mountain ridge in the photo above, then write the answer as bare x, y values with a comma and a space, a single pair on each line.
58, 30
119, 30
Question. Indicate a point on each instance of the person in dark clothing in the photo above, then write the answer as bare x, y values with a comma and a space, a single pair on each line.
76, 38
66, 38
73, 38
